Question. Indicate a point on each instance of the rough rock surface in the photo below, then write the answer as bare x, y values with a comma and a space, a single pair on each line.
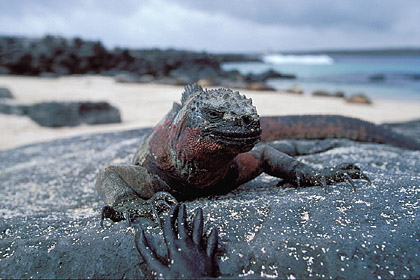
49, 225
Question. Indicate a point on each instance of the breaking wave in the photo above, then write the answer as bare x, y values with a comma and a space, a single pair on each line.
297, 59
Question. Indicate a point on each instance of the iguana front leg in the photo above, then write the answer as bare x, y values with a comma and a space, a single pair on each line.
128, 190
265, 158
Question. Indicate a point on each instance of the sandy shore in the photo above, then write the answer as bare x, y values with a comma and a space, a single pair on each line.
143, 105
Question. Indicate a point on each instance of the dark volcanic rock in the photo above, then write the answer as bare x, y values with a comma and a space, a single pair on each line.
58, 114
54, 56
270, 74
49, 224
5, 93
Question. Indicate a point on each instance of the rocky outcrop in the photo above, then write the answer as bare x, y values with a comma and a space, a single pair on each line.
50, 215
55, 56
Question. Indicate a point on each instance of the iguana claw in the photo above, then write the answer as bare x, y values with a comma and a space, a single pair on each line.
350, 181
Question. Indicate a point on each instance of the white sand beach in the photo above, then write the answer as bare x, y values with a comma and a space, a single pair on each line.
144, 105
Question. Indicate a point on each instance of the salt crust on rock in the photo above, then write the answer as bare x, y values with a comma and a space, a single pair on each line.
50, 214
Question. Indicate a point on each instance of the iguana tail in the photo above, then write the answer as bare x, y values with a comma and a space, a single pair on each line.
331, 126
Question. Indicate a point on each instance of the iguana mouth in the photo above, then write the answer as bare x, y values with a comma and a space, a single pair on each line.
238, 138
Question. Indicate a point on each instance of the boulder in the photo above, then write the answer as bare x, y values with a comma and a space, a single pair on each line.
58, 114
5, 93
50, 216
358, 99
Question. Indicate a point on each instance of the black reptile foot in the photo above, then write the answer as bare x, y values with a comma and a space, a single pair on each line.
187, 257
341, 173
130, 210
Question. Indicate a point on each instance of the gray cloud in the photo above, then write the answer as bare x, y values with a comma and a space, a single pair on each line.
371, 14
220, 25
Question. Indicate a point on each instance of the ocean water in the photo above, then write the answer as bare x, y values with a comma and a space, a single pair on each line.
394, 77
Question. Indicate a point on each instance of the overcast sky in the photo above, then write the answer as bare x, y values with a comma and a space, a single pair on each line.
220, 25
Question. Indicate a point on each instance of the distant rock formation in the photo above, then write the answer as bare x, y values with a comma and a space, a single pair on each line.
54, 56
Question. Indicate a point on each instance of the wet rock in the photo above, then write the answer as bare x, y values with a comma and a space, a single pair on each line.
358, 99
5, 93
49, 216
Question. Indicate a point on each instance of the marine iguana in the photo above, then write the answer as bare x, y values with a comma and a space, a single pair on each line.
209, 144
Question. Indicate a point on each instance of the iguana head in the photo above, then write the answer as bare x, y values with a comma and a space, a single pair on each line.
220, 117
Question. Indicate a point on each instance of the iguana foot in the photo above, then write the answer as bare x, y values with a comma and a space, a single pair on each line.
342, 173
160, 203
130, 210
188, 258
276, 163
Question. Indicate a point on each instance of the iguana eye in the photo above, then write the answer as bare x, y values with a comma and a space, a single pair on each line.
214, 115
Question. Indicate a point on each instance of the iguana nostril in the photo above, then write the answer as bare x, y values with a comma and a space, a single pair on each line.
246, 120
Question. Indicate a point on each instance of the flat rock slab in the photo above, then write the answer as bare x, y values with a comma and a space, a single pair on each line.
59, 114
50, 215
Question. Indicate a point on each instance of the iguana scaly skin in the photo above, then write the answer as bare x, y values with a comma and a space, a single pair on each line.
208, 145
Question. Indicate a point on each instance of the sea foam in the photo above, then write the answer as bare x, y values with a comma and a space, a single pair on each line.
297, 59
